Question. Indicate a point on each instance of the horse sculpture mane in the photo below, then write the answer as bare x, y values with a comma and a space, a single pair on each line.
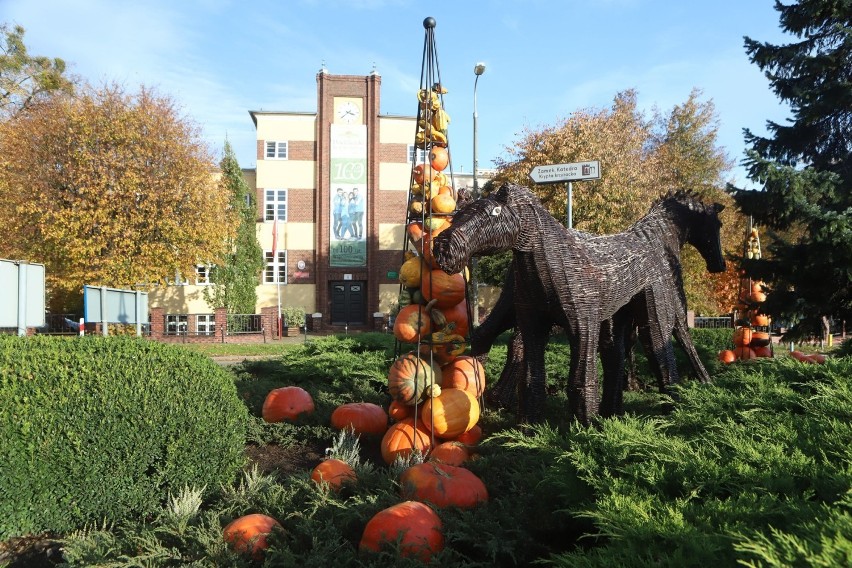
587, 284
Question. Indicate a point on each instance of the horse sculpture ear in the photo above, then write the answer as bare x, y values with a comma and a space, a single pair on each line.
718, 207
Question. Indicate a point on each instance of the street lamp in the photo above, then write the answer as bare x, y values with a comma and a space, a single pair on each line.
478, 70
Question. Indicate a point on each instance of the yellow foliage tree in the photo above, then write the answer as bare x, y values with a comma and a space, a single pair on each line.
109, 188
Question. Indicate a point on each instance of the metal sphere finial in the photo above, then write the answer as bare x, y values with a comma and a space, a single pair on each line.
429, 22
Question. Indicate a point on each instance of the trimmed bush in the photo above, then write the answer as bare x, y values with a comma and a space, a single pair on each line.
96, 429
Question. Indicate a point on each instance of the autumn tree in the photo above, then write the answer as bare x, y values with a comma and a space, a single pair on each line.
24, 78
234, 282
109, 188
641, 159
805, 168
685, 142
618, 137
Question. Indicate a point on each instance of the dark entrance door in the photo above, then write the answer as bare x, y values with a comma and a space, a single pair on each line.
348, 303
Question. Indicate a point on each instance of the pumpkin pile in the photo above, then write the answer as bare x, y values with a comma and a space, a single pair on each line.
751, 337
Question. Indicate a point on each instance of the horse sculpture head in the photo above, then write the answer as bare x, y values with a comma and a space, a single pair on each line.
700, 224
482, 227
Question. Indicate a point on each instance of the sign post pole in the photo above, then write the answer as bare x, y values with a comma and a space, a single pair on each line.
22, 298
570, 214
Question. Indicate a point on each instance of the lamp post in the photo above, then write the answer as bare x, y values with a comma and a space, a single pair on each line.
478, 70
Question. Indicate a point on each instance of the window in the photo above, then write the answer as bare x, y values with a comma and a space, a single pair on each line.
416, 155
202, 274
205, 324
176, 324
275, 204
276, 150
276, 269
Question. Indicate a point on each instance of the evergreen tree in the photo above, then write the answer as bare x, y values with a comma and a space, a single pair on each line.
234, 283
805, 168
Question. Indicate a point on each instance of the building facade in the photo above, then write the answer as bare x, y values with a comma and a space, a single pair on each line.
331, 188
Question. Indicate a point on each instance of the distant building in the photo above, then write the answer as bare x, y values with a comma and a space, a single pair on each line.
336, 180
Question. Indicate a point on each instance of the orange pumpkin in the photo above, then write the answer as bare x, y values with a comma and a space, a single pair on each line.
760, 320
759, 297
403, 438
727, 356
759, 339
447, 289
453, 412
415, 526
818, 357
443, 485
247, 534
744, 352
471, 437
444, 349
410, 376
362, 417
334, 472
465, 373
422, 172
443, 202
799, 356
764, 351
439, 157
415, 233
286, 403
412, 323
742, 336
398, 411
450, 453
453, 319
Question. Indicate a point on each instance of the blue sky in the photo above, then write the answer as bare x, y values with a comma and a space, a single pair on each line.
545, 59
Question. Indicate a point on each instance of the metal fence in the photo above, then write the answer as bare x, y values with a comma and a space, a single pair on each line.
244, 323
703, 322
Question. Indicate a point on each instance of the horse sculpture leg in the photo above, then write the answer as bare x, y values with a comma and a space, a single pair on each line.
532, 390
583, 381
615, 337
684, 339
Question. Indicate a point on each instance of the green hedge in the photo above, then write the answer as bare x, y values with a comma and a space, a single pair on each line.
96, 429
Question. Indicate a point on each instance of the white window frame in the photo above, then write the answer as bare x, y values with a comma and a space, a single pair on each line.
416, 158
275, 150
275, 203
202, 274
275, 271
205, 324
177, 324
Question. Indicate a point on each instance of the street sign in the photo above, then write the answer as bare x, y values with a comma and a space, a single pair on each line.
556, 173
22, 296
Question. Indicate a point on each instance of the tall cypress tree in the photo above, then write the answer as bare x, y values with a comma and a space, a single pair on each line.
234, 284
805, 168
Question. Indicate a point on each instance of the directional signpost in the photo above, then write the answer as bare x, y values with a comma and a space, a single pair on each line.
557, 173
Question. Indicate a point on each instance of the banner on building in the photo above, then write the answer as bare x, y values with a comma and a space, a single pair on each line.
348, 176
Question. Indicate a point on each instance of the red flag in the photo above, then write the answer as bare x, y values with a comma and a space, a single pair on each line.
274, 237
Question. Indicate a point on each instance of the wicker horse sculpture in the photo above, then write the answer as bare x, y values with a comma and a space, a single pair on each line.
672, 222
561, 276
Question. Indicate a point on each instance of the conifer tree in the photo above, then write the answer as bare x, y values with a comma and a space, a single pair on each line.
234, 283
805, 168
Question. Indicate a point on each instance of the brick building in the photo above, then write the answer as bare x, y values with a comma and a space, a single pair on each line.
332, 188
